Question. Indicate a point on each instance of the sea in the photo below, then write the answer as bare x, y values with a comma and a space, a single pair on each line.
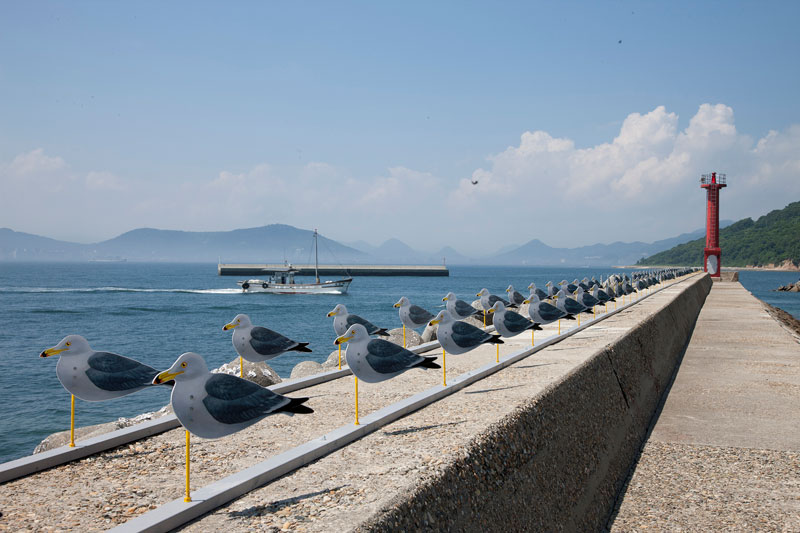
153, 312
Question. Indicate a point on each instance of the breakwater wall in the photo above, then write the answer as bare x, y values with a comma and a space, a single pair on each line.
334, 270
558, 461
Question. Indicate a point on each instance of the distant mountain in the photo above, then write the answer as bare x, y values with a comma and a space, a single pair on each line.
773, 239
537, 253
267, 244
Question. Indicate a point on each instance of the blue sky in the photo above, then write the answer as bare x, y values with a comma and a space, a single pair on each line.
201, 116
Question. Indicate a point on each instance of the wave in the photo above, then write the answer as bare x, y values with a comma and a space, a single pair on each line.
50, 290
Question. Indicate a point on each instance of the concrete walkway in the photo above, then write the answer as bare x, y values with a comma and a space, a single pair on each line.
724, 453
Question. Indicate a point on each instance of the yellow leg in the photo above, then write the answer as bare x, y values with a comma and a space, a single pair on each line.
340, 357
559, 326
594, 313
497, 359
188, 496
579, 318
444, 368
72, 424
484, 319
532, 331
404, 336
241, 367
356, 423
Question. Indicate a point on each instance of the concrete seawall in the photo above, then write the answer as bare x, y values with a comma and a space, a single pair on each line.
558, 461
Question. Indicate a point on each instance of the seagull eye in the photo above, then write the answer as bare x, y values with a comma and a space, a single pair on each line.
67, 344
183, 365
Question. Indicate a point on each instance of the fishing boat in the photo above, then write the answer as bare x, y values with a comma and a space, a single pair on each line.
281, 281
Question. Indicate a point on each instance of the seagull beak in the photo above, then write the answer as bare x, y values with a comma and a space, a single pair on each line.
434, 322
444, 299
490, 311
165, 377
526, 301
226, 327
52, 351
478, 294
396, 305
343, 339
332, 313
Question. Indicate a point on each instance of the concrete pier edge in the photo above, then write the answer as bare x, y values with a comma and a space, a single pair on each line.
558, 462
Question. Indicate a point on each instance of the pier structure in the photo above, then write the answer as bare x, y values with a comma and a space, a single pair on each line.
242, 269
712, 183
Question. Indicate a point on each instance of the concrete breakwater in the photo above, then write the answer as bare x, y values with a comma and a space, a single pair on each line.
558, 461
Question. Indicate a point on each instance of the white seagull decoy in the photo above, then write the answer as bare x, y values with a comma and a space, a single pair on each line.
458, 337
256, 343
543, 312
459, 308
412, 316
215, 405
97, 376
488, 299
343, 320
374, 360
508, 323
514, 297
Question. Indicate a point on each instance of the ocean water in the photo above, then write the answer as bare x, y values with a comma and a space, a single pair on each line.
155, 312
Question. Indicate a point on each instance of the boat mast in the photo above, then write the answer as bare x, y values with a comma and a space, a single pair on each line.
316, 256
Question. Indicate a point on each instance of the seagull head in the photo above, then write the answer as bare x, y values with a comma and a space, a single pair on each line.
340, 309
356, 332
69, 345
510, 289
532, 286
442, 318
483, 292
450, 296
498, 307
402, 302
534, 298
240, 320
187, 366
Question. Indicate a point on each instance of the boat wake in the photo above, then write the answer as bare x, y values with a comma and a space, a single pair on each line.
45, 290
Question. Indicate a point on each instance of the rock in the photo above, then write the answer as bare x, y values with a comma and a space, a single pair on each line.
305, 368
260, 373
86, 432
429, 334
412, 337
333, 361
792, 287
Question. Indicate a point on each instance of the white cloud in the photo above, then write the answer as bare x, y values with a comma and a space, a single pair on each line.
642, 185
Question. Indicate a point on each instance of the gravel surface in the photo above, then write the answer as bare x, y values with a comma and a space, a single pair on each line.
679, 487
336, 493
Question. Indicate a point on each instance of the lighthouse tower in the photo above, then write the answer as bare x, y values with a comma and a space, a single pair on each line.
712, 183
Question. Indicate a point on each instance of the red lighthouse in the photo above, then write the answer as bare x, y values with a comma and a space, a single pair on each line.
712, 183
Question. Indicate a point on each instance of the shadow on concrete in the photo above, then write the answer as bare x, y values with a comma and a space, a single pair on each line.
273, 507
653, 420
420, 428
492, 390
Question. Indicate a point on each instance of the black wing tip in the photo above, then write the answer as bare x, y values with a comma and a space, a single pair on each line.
537, 327
383, 332
428, 362
301, 347
296, 406
569, 317
495, 339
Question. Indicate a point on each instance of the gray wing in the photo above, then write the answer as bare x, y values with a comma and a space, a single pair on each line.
268, 342
549, 312
233, 400
355, 319
517, 298
112, 372
466, 335
494, 298
418, 315
465, 309
386, 357
516, 322
541, 294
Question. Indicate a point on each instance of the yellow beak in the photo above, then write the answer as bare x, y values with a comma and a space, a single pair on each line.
526, 301
444, 299
434, 322
165, 376
226, 327
478, 294
332, 313
396, 305
52, 351
490, 311
343, 339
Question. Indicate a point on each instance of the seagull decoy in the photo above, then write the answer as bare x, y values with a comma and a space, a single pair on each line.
459, 308
256, 343
544, 313
458, 337
509, 323
412, 316
343, 320
514, 297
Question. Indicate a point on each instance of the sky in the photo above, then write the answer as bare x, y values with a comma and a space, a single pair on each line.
581, 122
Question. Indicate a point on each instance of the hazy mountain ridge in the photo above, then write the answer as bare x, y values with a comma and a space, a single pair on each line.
278, 242
773, 239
